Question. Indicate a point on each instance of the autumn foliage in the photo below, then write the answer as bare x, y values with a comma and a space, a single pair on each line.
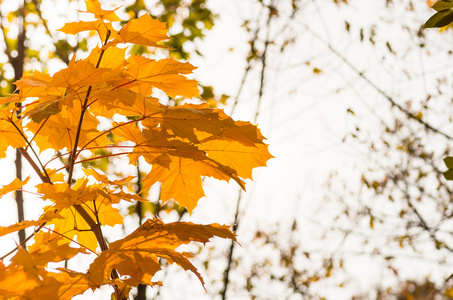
103, 106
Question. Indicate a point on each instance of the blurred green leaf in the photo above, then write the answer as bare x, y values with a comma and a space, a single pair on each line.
440, 19
449, 174
442, 5
449, 162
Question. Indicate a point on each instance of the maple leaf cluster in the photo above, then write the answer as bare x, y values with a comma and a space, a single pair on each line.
182, 144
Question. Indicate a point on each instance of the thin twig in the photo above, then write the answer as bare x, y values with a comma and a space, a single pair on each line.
238, 202
29, 159
409, 114
82, 115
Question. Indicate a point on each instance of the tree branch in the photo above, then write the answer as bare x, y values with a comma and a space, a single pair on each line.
408, 114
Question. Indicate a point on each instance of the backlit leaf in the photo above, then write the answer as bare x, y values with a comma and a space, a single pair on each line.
136, 255
165, 74
46, 217
144, 31
14, 185
94, 7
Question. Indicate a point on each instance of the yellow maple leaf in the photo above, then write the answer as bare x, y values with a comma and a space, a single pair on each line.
47, 106
143, 74
101, 27
241, 158
79, 74
125, 102
55, 176
144, 31
104, 179
10, 135
16, 184
188, 120
178, 182
63, 285
25, 278
156, 146
80, 26
46, 217
181, 180
19, 226
96, 201
94, 7
73, 225
15, 281
51, 247
112, 57
186, 143
59, 131
136, 255
45, 240
38, 84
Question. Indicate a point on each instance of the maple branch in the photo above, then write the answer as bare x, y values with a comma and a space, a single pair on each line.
41, 125
82, 115
33, 165
98, 225
260, 96
17, 247
72, 240
95, 227
29, 159
226, 277
73, 156
114, 272
263, 66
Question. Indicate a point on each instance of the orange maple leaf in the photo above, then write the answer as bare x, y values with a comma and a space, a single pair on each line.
46, 217
94, 7
101, 27
143, 74
59, 131
25, 279
144, 31
11, 131
16, 184
136, 255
